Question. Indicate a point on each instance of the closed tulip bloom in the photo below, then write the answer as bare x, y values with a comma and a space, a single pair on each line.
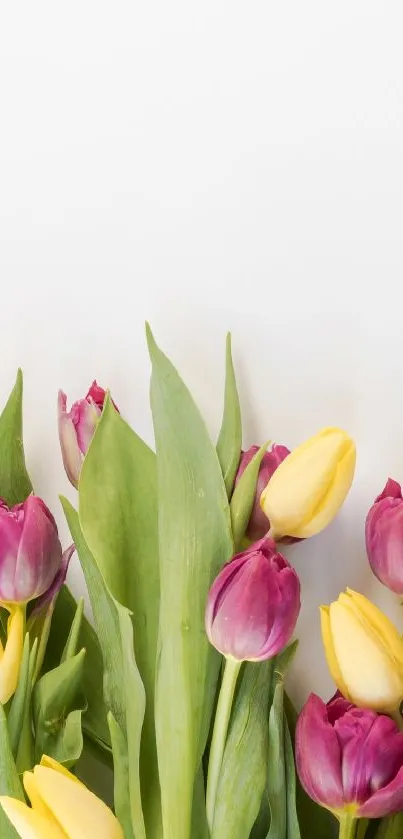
364, 652
77, 428
259, 524
253, 604
30, 550
309, 486
11, 653
350, 759
384, 537
62, 807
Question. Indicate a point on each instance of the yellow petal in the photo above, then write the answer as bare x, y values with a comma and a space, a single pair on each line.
28, 823
331, 659
310, 485
51, 763
79, 812
10, 656
365, 666
380, 623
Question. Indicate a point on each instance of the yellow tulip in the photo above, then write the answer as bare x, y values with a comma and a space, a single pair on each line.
62, 807
11, 654
364, 652
309, 486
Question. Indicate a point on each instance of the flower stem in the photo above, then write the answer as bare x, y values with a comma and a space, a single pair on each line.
221, 721
348, 824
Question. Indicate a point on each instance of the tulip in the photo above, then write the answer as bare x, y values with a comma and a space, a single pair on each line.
350, 760
384, 537
364, 652
77, 428
253, 604
30, 550
310, 485
62, 807
259, 524
11, 653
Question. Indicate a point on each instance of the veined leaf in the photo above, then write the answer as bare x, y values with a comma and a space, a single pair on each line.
58, 702
244, 767
15, 484
243, 497
194, 542
119, 519
276, 776
229, 443
123, 688
9, 780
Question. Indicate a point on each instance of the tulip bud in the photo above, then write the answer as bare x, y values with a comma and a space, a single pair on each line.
77, 427
384, 537
11, 653
350, 759
253, 604
310, 485
364, 652
258, 523
30, 551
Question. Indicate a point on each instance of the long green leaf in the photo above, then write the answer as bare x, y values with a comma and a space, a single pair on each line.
123, 688
244, 767
119, 520
95, 718
9, 781
194, 542
15, 484
293, 831
229, 442
276, 777
243, 497
58, 702
121, 792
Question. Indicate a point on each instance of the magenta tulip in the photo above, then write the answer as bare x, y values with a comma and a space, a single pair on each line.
350, 758
30, 551
253, 604
77, 427
384, 537
258, 523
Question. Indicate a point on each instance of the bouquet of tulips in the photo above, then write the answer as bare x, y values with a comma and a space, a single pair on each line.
164, 713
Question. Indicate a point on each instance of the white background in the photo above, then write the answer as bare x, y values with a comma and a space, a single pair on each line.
211, 166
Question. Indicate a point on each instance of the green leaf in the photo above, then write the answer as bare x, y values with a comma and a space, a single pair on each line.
199, 818
94, 720
123, 688
194, 543
229, 443
276, 776
9, 780
121, 791
244, 767
15, 484
119, 519
73, 641
19, 718
293, 831
390, 827
244, 495
58, 703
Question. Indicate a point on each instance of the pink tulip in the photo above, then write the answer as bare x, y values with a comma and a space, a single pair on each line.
384, 537
350, 758
77, 427
253, 604
30, 551
258, 523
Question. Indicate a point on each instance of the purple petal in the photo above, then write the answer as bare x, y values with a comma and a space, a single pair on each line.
39, 553
392, 489
49, 597
71, 454
318, 755
85, 415
386, 801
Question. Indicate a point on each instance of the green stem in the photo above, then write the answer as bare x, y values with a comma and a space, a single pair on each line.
347, 827
221, 721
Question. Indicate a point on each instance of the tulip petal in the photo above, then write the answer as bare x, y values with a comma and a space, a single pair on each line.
385, 801
10, 535
75, 808
71, 454
330, 653
28, 823
392, 489
39, 553
318, 755
51, 763
85, 415
377, 620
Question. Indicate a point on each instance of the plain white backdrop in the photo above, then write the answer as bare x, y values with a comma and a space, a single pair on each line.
211, 166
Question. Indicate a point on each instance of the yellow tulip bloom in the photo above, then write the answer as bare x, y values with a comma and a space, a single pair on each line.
62, 807
11, 654
364, 652
309, 486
